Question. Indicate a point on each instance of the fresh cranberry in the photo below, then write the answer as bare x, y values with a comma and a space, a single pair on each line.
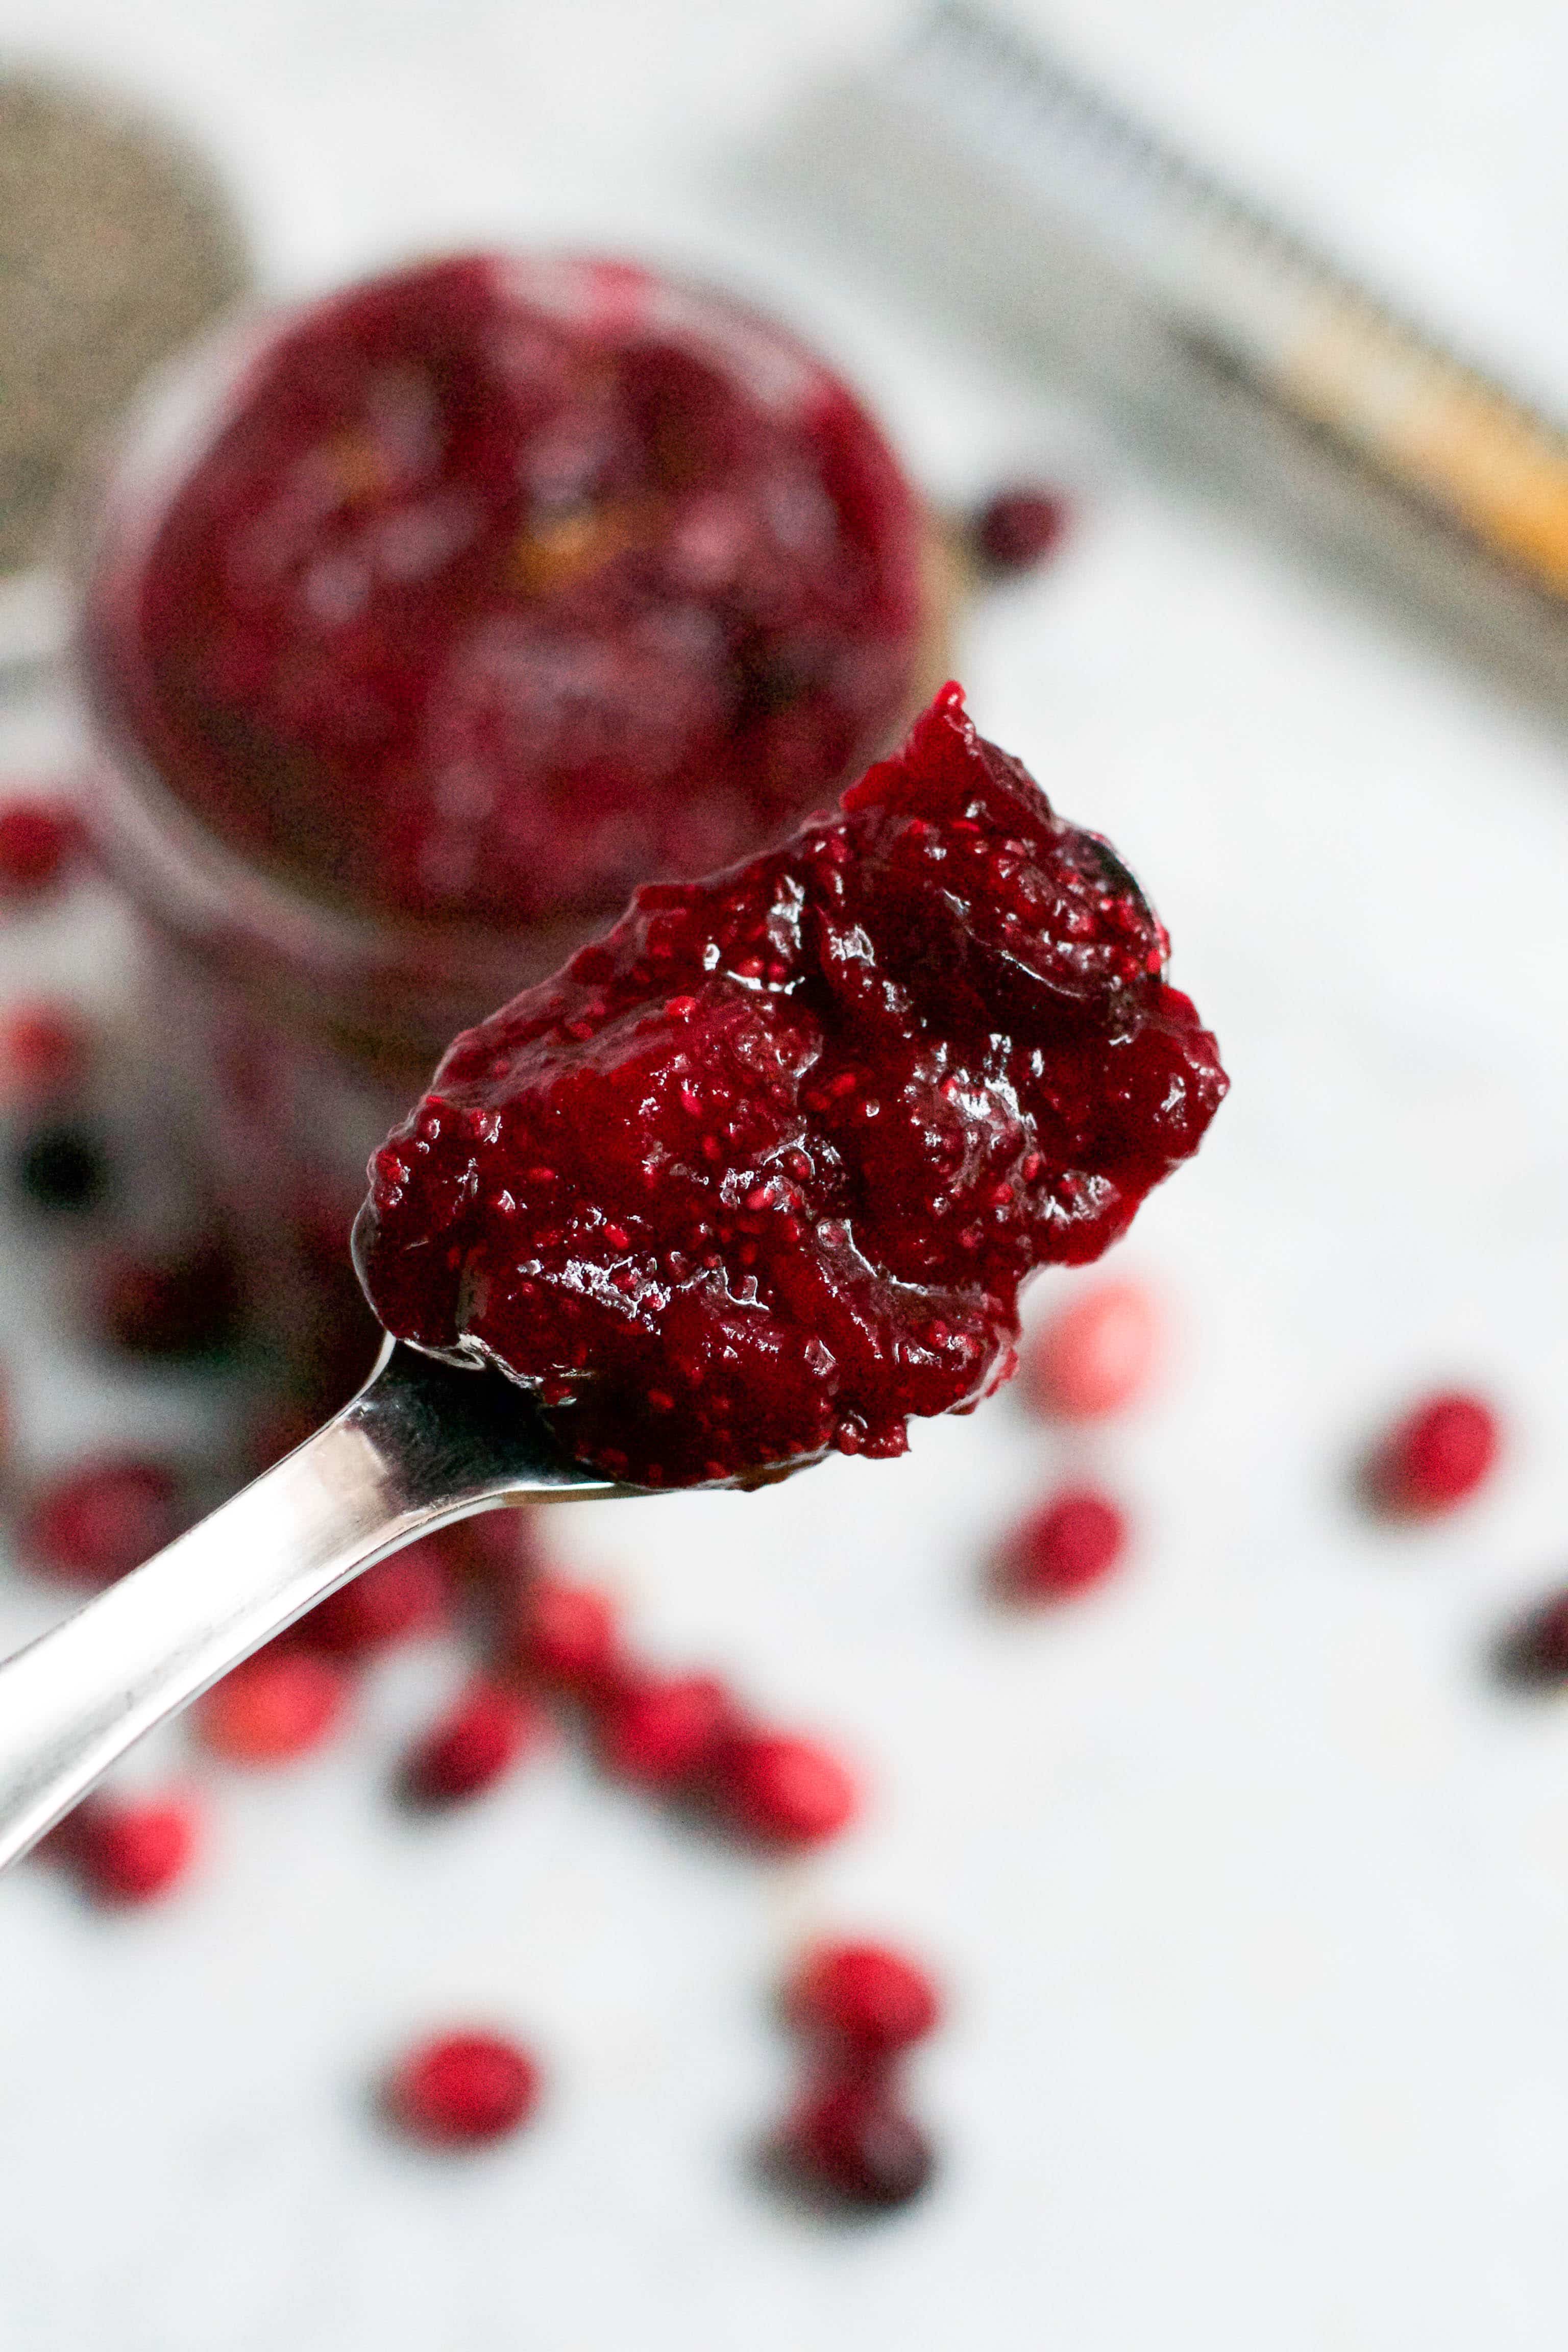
1096, 1353
63, 1169
854, 2138
1019, 528
46, 1050
278, 1704
762, 1172
662, 1731
598, 577
1532, 1653
1070, 1542
183, 1306
397, 1599
128, 1849
782, 1790
39, 840
92, 1525
568, 1634
464, 2088
865, 1997
1437, 1454
473, 1745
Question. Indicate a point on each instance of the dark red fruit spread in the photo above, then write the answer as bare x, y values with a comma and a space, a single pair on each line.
505, 584
760, 1174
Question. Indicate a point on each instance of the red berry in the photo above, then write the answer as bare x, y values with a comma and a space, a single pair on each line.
473, 1745
1074, 1541
664, 1730
784, 1789
278, 1704
1437, 1454
45, 1051
463, 2089
38, 839
403, 1595
853, 2138
1095, 1354
1018, 528
567, 1635
126, 1850
92, 1526
171, 1306
499, 1548
865, 1996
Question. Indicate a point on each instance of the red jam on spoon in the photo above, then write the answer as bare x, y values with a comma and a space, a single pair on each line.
760, 1172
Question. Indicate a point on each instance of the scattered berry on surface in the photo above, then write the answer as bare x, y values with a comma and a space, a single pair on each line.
663, 1731
39, 841
462, 2089
1437, 1454
397, 1599
479, 1738
1095, 1354
46, 1051
782, 1790
1019, 528
1068, 1544
278, 1704
130, 1850
93, 1524
868, 1998
853, 2139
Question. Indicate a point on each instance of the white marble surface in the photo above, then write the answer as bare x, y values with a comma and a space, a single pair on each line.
1252, 1889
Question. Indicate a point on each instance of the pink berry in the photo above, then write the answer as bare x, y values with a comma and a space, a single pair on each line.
1096, 1353
182, 1306
1071, 1542
1437, 1454
463, 2089
38, 839
93, 1525
1019, 528
45, 1051
865, 1997
784, 1789
567, 1635
126, 1850
853, 2138
663, 1731
278, 1704
397, 1599
472, 1746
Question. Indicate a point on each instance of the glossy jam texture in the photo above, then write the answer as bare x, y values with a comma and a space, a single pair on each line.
760, 1173
502, 585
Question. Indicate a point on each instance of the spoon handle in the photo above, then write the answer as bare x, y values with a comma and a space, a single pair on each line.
421, 1446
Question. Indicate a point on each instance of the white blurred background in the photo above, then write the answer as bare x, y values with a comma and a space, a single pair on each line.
1251, 1886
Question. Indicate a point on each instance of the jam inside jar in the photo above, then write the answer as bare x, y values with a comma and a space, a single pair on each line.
418, 625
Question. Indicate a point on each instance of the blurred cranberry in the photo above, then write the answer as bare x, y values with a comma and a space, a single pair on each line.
397, 1599
1095, 1354
866, 1997
476, 1742
183, 1306
93, 1524
568, 1635
784, 1789
129, 1849
464, 2088
854, 2138
662, 1731
46, 1050
62, 1168
1018, 528
1437, 1454
1070, 1542
278, 1704
39, 839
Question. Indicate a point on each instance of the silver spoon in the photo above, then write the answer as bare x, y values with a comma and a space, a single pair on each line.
422, 1444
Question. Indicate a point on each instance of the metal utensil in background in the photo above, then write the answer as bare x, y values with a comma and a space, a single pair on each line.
989, 176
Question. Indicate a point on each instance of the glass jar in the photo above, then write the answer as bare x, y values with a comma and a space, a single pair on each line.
296, 1023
